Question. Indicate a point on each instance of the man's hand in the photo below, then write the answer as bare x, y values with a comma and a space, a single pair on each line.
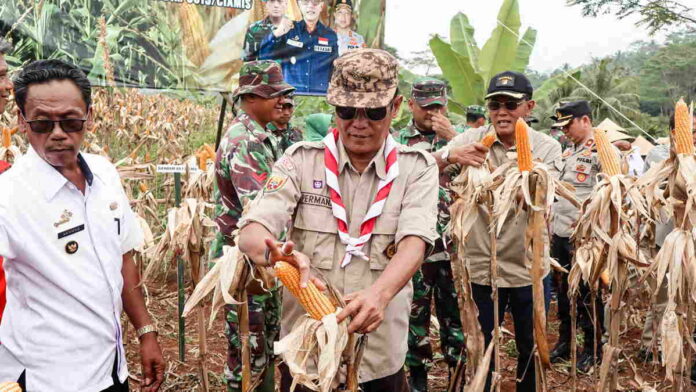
366, 308
473, 154
284, 26
443, 126
152, 363
297, 259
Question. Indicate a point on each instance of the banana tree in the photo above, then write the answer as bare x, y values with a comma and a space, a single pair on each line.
468, 68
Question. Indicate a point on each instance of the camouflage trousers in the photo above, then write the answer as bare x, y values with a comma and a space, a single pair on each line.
434, 279
264, 329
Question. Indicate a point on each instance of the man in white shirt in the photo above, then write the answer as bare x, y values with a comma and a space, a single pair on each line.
67, 233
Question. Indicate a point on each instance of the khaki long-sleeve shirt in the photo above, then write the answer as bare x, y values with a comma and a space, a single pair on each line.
510, 242
297, 193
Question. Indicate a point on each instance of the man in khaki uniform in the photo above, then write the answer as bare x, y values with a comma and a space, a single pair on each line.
509, 98
580, 168
375, 278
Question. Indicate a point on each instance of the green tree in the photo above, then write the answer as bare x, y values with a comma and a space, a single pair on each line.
655, 14
612, 83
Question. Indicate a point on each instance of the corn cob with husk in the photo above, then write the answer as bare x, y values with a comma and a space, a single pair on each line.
193, 33
671, 188
314, 348
606, 246
8, 151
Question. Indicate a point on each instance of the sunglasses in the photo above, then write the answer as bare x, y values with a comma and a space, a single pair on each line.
68, 125
349, 113
509, 105
288, 106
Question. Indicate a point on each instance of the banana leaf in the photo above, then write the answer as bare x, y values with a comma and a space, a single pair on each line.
524, 50
467, 84
463, 42
371, 26
500, 51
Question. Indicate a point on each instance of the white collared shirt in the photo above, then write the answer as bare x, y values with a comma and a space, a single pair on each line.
63, 256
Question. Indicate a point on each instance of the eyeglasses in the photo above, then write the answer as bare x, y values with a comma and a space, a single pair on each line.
349, 113
68, 125
288, 106
314, 2
509, 105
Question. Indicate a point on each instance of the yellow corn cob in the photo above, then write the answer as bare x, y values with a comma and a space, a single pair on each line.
6, 137
683, 139
193, 32
607, 156
311, 299
524, 150
10, 387
489, 139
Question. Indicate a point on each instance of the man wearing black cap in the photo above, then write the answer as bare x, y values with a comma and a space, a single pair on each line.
343, 24
580, 168
430, 130
509, 98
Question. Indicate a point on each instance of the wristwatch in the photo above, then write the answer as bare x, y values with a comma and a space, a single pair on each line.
146, 329
445, 155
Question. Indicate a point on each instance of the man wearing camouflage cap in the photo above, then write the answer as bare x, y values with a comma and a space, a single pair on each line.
243, 163
475, 117
362, 210
430, 130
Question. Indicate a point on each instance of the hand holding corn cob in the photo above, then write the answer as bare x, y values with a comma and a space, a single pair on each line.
296, 259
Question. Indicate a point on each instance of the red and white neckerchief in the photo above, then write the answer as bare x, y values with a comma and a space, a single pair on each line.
354, 245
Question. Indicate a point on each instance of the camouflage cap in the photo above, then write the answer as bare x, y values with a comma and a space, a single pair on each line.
429, 91
476, 110
263, 78
364, 78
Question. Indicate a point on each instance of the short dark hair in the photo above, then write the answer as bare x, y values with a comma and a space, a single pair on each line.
472, 117
5, 46
44, 71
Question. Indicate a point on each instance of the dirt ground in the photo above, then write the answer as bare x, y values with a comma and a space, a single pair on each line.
185, 376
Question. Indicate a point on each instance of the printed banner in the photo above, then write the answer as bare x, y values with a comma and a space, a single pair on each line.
191, 44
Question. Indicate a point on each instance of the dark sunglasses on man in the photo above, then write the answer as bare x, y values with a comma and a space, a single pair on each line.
350, 113
68, 125
287, 106
509, 105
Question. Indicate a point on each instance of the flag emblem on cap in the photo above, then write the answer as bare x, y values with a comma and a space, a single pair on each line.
505, 81
323, 41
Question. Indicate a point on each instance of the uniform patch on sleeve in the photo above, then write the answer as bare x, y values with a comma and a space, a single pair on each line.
581, 177
275, 183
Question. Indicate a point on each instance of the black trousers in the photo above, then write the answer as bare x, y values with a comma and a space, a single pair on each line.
395, 383
519, 301
562, 250
117, 387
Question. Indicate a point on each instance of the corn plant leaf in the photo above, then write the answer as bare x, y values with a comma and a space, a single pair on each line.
463, 42
467, 85
499, 52
524, 50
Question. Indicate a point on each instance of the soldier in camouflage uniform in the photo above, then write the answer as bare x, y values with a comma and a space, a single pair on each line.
475, 117
283, 124
430, 130
243, 162
275, 15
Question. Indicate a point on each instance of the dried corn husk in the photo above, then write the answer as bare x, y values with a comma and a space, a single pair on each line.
223, 280
313, 350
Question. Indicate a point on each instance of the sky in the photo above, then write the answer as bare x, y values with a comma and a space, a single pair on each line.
563, 34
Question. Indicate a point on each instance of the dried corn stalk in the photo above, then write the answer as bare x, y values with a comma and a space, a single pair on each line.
606, 247
671, 188
537, 188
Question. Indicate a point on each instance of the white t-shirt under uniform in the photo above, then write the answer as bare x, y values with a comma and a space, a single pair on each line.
63, 256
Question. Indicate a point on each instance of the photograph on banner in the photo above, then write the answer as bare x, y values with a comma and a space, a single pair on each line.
192, 44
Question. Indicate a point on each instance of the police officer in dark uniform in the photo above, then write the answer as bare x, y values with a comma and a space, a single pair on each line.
306, 49
580, 168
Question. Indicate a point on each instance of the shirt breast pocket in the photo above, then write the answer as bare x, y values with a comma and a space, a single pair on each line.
382, 245
315, 233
